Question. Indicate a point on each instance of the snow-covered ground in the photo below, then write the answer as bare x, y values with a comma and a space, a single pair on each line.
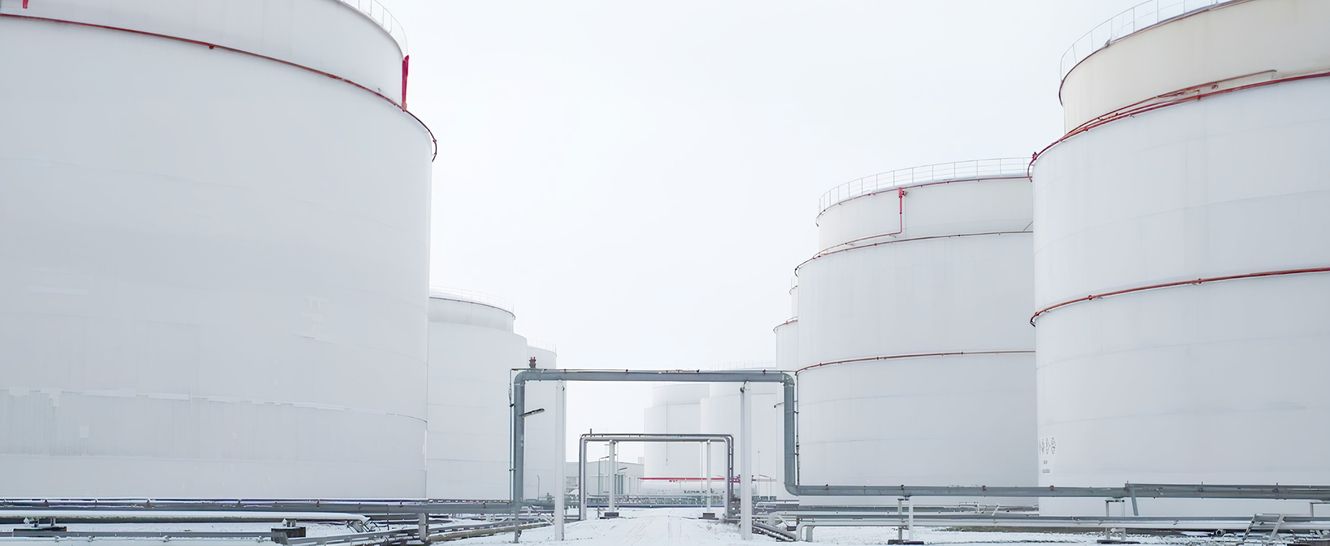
681, 527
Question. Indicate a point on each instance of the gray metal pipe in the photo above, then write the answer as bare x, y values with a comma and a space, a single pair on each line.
1127, 491
652, 438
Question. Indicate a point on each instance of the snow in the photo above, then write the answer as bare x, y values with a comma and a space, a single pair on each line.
681, 527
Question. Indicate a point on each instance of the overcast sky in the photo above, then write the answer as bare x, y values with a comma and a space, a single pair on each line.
639, 179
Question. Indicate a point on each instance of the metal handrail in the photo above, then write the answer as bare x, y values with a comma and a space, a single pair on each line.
975, 168
1134, 19
375, 11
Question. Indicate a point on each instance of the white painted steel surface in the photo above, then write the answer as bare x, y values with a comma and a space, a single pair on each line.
213, 267
953, 277
472, 349
675, 409
1216, 383
720, 415
1228, 44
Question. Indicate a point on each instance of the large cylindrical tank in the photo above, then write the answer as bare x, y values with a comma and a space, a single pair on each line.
540, 459
472, 351
1190, 197
720, 415
787, 335
213, 256
674, 409
916, 361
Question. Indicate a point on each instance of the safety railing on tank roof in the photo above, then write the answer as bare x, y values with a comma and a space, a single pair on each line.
1136, 18
384, 18
976, 168
472, 296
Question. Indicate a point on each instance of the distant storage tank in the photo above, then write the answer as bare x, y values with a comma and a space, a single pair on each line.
1190, 197
213, 255
787, 335
916, 359
720, 415
675, 409
540, 428
472, 350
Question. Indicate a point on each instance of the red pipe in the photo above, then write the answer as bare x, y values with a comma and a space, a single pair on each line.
210, 45
1201, 280
406, 70
908, 355
900, 213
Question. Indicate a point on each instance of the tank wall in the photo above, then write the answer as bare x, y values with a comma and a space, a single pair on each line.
675, 409
469, 380
1228, 185
964, 206
153, 345
720, 415
957, 279
787, 346
970, 422
311, 33
1247, 40
917, 297
464, 311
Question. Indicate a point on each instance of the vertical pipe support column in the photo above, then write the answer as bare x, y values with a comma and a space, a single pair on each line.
614, 474
706, 455
745, 463
519, 444
560, 466
581, 481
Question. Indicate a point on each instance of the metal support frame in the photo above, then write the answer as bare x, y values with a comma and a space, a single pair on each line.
652, 438
745, 462
560, 463
1131, 491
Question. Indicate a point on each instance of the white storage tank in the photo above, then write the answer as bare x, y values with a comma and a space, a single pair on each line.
539, 482
787, 335
675, 408
472, 352
1190, 199
720, 415
213, 255
916, 361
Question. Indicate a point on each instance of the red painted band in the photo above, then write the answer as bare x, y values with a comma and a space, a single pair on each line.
1172, 98
909, 355
1158, 286
209, 45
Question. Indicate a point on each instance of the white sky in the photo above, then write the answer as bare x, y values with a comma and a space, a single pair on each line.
640, 178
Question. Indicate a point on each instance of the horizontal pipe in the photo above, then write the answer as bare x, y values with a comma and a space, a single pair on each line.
1133, 491
373, 506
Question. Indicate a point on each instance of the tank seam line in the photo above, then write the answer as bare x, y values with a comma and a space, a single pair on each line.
237, 50
912, 355
926, 238
1174, 284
